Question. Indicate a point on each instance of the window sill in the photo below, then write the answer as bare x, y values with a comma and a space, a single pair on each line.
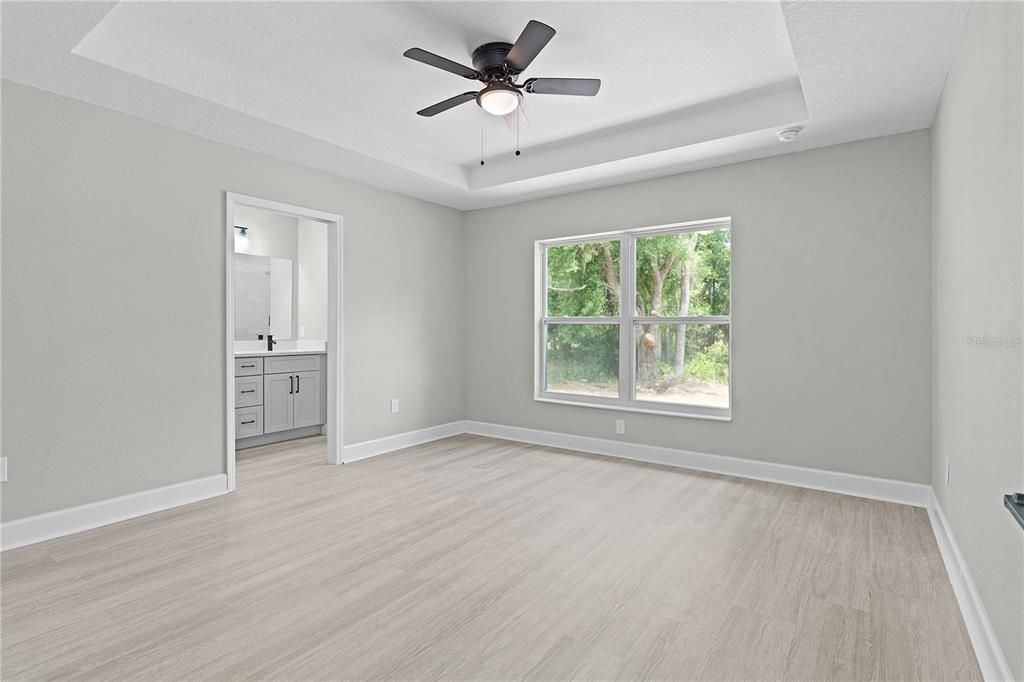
619, 407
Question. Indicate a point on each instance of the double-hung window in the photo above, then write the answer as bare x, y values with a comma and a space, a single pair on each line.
637, 319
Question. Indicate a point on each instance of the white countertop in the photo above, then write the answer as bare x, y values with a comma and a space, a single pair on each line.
258, 349
264, 353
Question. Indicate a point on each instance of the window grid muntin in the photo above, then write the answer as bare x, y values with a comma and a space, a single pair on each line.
626, 321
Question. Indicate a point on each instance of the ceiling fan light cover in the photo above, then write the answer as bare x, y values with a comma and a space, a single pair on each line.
498, 100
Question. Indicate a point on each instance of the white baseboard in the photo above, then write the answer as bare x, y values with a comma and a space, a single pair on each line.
380, 446
54, 524
986, 647
75, 519
278, 437
888, 490
62, 522
915, 494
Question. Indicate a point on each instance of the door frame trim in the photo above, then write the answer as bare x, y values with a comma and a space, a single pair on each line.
335, 319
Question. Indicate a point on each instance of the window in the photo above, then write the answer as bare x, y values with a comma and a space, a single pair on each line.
637, 319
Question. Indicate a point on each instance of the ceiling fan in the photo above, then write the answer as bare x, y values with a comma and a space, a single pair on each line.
497, 66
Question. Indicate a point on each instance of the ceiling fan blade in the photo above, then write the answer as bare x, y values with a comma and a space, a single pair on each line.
582, 87
529, 44
447, 104
440, 62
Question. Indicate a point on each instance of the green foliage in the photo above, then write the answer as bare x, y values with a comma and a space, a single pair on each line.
706, 356
655, 255
714, 254
578, 285
582, 353
583, 281
710, 364
708, 254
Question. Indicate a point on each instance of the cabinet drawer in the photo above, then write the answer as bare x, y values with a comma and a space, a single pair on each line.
248, 391
248, 422
284, 364
245, 367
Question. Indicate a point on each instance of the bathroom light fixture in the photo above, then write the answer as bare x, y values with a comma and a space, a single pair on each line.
242, 238
499, 99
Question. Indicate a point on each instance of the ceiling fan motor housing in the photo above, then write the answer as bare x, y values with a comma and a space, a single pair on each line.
497, 65
489, 59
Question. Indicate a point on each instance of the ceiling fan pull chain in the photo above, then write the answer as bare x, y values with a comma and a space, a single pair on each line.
481, 144
519, 115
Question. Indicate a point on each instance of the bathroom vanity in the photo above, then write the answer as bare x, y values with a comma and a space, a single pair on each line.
280, 321
279, 395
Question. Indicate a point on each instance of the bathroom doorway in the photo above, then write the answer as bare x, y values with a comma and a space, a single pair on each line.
283, 323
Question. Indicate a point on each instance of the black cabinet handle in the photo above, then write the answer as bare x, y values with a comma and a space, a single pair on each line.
291, 385
253, 390
251, 421
248, 366
298, 382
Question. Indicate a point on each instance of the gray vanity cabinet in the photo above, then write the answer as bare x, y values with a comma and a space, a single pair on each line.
249, 421
306, 399
278, 402
279, 393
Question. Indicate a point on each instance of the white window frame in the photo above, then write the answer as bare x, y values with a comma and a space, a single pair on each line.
625, 320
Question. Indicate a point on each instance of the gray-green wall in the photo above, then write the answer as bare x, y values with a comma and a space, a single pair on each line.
113, 301
853, 317
844, 358
978, 254
830, 317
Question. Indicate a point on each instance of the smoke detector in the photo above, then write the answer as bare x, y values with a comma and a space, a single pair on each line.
789, 134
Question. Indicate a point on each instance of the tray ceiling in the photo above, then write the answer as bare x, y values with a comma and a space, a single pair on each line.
685, 85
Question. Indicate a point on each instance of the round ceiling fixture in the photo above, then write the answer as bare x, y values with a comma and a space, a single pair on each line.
789, 134
499, 99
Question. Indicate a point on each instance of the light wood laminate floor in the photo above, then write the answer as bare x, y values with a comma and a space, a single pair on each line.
474, 558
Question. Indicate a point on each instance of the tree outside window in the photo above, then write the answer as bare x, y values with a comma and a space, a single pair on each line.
669, 348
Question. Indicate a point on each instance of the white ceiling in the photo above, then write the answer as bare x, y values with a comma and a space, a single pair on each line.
684, 84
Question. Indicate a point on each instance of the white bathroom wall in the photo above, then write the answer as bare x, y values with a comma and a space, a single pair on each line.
312, 279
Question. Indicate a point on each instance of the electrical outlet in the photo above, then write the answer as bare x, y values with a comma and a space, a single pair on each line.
620, 427
3, 469
947, 471
394, 406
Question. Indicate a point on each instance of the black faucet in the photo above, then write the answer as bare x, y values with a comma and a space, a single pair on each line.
270, 342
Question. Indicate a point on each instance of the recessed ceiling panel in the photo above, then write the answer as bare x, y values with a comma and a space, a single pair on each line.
685, 85
335, 70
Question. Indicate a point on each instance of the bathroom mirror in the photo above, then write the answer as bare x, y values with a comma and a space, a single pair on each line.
263, 297
280, 276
